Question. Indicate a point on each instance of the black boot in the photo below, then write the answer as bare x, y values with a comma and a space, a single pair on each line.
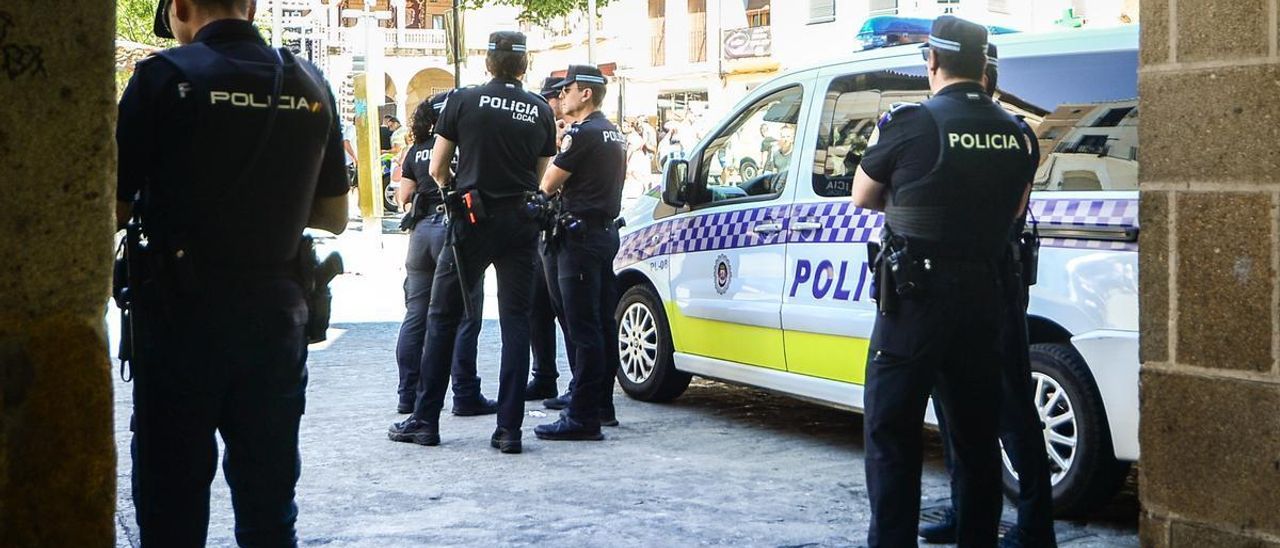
943, 532
567, 429
483, 406
412, 430
558, 403
540, 389
506, 440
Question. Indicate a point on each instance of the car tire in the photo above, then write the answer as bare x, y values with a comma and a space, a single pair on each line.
646, 368
1064, 389
748, 169
389, 196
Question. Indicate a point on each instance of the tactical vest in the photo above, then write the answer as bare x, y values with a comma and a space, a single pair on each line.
964, 206
244, 196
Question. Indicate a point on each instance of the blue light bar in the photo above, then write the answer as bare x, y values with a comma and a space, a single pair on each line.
890, 30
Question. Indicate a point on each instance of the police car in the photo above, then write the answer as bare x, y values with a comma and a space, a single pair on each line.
763, 280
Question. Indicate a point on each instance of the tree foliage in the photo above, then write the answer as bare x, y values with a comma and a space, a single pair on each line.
537, 11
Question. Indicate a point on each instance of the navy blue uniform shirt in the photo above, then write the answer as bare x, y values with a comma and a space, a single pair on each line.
417, 168
908, 146
501, 131
165, 115
594, 152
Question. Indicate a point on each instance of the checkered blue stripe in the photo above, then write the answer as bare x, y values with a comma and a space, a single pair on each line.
844, 223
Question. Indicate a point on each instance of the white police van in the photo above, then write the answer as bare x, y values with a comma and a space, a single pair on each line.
764, 281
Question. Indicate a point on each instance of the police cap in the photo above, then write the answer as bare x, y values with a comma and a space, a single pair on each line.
992, 56
586, 74
550, 87
437, 105
507, 40
956, 35
161, 25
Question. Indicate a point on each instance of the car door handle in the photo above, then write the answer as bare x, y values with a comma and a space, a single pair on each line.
805, 226
770, 227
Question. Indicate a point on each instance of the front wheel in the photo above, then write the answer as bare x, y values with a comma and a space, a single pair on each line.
1083, 469
646, 368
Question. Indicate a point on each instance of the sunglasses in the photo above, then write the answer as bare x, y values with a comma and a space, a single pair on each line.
565, 90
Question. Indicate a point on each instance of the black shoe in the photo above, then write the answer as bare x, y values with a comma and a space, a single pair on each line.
1015, 538
540, 389
412, 430
567, 429
943, 532
404, 407
506, 440
608, 416
559, 402
483, 407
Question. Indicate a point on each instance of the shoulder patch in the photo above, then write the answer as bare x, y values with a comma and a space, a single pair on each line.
565, 143
895, 108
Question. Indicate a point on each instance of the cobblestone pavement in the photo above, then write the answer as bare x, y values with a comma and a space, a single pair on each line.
722, 465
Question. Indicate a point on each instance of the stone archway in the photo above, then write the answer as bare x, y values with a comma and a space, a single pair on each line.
390, 92
424, 84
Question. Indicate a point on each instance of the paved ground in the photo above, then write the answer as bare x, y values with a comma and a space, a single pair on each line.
722, 465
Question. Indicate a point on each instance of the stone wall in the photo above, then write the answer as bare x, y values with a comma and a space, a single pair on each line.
57, 169
1210, 134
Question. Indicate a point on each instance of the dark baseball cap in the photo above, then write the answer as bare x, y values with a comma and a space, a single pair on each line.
992, 56
161, 25
583, 73
956, 35
507, 40
550, 87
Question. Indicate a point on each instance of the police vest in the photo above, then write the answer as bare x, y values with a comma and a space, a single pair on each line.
964, 207
238, 205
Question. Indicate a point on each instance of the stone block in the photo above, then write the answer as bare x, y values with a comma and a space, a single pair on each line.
1193, 536
1210, 125
1211, 31
1153, 263
1154, 48
58, 471
1211, 450
1153, 531
1224, 279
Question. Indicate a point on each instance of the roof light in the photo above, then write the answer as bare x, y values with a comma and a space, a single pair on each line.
888, 30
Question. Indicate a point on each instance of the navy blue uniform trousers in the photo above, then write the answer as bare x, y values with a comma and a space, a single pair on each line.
230, 360
426, 243
951, 339
1021, 431
589, 288
548, 310
508, 242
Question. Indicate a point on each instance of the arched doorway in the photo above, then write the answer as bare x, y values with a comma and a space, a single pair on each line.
389, 101
424, 84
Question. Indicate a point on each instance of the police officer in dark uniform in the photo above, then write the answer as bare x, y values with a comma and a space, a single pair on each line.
1020, 426
589, 173
951, 175
426, 221
227, 150
504, 137
547, 308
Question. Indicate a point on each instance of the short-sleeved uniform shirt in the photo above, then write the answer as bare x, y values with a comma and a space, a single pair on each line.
594, 152
907, 148
417, 168
501, 131
159, 117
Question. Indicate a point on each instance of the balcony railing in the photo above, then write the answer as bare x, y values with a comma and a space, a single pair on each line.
421, 39
747, 42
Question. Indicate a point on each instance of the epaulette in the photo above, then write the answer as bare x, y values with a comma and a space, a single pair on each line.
895, 108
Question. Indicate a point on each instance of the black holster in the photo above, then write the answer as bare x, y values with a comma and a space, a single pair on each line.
315, 275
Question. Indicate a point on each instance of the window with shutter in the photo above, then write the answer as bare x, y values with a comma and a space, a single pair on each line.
884, 7
822, 11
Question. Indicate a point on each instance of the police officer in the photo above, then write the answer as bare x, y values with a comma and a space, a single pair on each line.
504, 137
589, 173
547, 308
1020, 426
227, 150
426, 221
951, 175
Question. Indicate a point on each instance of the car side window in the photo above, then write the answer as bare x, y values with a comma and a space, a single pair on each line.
751, 157
852, 106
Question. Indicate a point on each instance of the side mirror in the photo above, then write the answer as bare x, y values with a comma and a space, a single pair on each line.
674, 180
